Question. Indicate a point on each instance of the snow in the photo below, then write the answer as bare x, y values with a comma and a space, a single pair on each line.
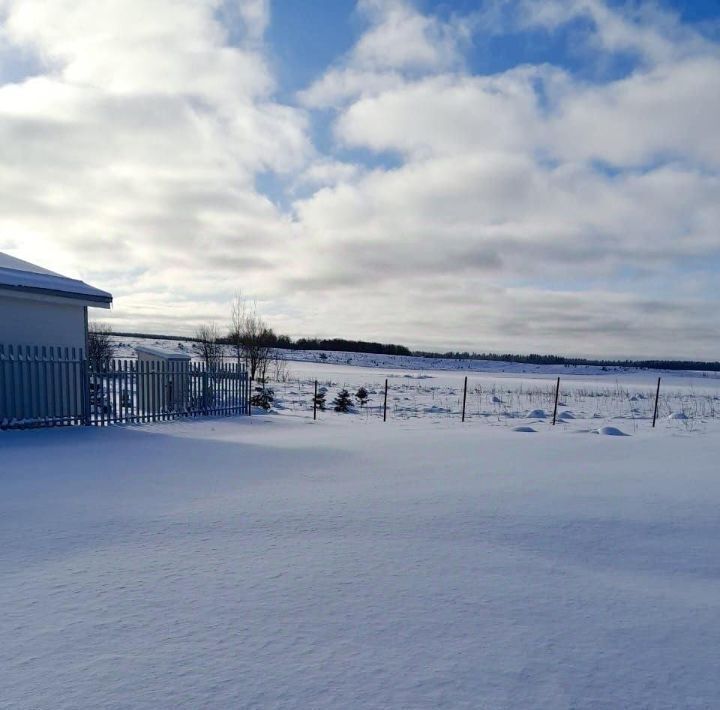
277, 562
164, 353
274, 562
426, 368
12, 262
610, 431
16, 273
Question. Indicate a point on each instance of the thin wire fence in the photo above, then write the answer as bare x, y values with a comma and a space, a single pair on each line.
506, 402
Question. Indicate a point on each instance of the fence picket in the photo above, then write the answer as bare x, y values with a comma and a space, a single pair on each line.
126, 397
141, 391
13, 381
4, 399
51, 384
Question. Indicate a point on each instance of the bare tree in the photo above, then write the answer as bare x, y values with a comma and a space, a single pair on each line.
252, 339
238, 309
280, 369
100, 347
209, 348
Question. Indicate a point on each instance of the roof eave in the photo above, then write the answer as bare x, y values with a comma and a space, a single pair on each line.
99, 300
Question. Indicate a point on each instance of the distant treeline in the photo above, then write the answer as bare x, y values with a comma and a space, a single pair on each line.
348, 346
155, 336
536, 359
274, 340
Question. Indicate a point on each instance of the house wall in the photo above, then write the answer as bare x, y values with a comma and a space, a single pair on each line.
39, 322
32, 391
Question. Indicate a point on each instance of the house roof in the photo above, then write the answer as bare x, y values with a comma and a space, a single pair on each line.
19, 275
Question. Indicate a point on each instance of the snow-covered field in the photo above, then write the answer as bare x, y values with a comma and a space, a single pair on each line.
277, 562
499, 393
274, 562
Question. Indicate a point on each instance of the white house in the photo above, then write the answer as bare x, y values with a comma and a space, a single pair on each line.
40, 307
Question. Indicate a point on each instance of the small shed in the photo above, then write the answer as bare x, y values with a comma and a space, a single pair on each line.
43, 338
163, 379
41, 307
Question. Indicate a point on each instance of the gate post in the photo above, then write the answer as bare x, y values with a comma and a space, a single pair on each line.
657, 396
385, 403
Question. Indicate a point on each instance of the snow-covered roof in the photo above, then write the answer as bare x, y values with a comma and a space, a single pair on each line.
19, 275
165, 353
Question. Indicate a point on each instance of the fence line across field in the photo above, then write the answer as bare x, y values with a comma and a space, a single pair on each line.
552, 394
51, 386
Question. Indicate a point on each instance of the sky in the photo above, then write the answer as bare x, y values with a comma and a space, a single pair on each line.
498, 176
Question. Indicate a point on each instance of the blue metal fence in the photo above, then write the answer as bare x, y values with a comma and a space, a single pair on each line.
51, 386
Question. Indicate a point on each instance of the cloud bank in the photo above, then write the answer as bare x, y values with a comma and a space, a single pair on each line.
538, 207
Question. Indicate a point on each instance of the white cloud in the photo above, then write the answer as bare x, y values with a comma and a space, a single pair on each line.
328, 172
447, 114
643, 28
524, 210
666, 112
134, 155
337, 86
400, 40
400, 37
499, 184
255, 15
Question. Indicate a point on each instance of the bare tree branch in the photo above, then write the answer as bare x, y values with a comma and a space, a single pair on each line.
100, 345
252, 339
209, 348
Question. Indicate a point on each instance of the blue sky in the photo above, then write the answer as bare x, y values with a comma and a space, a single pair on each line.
306, 38
525, 175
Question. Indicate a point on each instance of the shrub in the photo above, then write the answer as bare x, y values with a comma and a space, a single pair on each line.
362, 396
343, 401
264, 398
319, 399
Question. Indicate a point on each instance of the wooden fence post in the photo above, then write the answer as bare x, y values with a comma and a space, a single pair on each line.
464, 398
385, 402
657, 395
557, 396
315, 403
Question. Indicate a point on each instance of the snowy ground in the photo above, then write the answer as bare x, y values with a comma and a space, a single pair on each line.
586, 403
499, 393
274, 562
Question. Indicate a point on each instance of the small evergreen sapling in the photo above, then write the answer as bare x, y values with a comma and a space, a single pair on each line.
343, 401
319, 399
362, 396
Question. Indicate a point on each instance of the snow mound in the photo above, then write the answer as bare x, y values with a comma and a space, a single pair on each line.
496, 400
610, 431
536, 414
678, 415
524, 429
566, 415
